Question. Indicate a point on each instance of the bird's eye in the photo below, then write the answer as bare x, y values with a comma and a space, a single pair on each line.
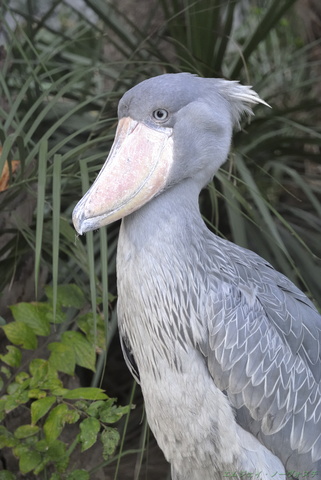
160, 114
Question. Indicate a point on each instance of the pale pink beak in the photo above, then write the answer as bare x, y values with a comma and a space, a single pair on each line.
136, 170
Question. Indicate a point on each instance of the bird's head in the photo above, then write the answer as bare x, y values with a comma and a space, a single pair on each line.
171, 128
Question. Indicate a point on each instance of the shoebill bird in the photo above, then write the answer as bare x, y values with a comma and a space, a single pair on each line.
225, 348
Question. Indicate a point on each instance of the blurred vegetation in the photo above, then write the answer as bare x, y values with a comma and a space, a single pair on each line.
63, 69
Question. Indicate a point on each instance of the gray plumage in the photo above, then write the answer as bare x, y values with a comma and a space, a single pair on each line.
227, 349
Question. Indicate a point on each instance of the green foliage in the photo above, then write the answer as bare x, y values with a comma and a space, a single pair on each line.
37, 385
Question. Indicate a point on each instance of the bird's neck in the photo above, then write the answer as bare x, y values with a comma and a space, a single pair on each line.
169, 219
158, 247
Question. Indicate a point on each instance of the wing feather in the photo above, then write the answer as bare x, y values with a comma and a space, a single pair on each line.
264, 338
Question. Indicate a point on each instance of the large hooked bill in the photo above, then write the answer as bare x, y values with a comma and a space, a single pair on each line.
136, 170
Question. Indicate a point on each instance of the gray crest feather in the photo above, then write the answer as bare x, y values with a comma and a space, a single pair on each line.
240, 97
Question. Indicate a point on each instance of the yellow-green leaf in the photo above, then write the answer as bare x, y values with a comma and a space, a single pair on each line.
34, 315
21, 378
6, 475
72, 416
25, 431
89, 430
38, 368
85, 393
62, 357
95, 407
110, 439
13, 401
28, 461
6, 438
67, 295
40, 407
6, 371
20, 333
79, 474
44, 376
94, 328
113, 414
55, 422
85, 354
36, 393
13, 357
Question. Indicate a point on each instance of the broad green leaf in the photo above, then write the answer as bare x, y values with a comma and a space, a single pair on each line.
110, 439
82, 405
14, 387
46, 309
54, 449
21, 378
34, 315
6, 372
14, 400
94, 328
94, 408
25, 431
53, 452
40, 407
62, 357
86, 393
55, 422
59, 391
89, 429
55, 476
72, 416
44, 376
79, 474
7, 439
28, 461
6, 475
20, 449
67, 296
13, 357
2, 402
38, 368
113, 414
37, 393
85, 354
20, 333
41, 466
19, 386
